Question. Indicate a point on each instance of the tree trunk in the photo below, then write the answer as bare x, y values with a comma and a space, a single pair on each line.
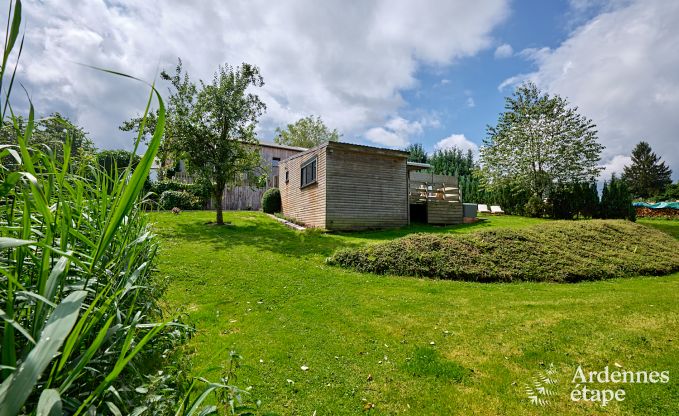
219, 192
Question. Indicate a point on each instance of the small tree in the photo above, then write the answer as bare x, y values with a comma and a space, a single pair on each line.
647, 176
416, 153
616, 200
213, 126
306, 132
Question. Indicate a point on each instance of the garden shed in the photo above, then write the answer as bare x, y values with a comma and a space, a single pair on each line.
344, 186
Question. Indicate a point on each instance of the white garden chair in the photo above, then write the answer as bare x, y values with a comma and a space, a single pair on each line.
495, 209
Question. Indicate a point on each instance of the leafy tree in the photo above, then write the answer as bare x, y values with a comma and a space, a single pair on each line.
540, 141
306, 132
214, 124
51, 132
647, 176
166, 150
671, 193
417, 153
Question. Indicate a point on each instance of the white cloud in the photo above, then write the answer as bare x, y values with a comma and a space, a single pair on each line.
470, 102
347, 62
620, 69
615, 166
456, 140
395, 133
504, 51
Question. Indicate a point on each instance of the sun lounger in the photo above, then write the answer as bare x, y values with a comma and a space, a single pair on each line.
483, 208
495, 209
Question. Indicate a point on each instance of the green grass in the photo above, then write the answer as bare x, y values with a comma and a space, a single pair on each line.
558, 251
671, 227
406, 345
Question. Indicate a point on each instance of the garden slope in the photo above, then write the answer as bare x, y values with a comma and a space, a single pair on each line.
558, 251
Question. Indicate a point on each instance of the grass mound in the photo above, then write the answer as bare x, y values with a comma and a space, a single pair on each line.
558, 251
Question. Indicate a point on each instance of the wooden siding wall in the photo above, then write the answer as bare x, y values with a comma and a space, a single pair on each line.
306, 204
365, 190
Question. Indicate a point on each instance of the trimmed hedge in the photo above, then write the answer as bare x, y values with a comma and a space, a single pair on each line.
179, 199
197, 192
271, 201
558, 251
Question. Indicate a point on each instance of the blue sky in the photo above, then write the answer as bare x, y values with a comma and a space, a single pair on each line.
384, 72
465, 96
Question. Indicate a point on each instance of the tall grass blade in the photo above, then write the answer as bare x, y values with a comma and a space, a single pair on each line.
15, 390
49, 403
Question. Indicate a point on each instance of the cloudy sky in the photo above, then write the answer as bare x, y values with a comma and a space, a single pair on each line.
385, 73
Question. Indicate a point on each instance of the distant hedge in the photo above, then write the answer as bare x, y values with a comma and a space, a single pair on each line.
558, 251
271, 201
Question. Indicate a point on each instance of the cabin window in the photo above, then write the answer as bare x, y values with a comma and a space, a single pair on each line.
287, 176
275, 161
308, 172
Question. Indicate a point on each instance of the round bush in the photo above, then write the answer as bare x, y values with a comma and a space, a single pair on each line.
271, 201
179, 199
535, 207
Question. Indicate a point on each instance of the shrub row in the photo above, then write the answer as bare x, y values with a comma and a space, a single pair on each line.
559, 251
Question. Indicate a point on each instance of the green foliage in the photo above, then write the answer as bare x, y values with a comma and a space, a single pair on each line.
215, 124
51, 133
117, 160
576, 200
647, 176
416, 153
82, 324
306, 132
72, 242
671, 193
167, 151
512, 197
616, 200
179, 199
271, 201
556, 251
194, 194
535, 207
538, 141
452, 161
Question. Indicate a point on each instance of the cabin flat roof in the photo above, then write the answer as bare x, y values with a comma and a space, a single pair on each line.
419, 165
355, 147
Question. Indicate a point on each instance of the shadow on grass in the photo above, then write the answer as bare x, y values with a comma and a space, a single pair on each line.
255, 231
390, 234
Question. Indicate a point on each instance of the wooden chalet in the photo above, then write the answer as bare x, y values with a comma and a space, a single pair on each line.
344, 186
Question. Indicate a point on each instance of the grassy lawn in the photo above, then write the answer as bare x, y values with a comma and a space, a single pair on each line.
406, 345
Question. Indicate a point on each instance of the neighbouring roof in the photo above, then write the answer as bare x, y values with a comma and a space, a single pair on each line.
281, 146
